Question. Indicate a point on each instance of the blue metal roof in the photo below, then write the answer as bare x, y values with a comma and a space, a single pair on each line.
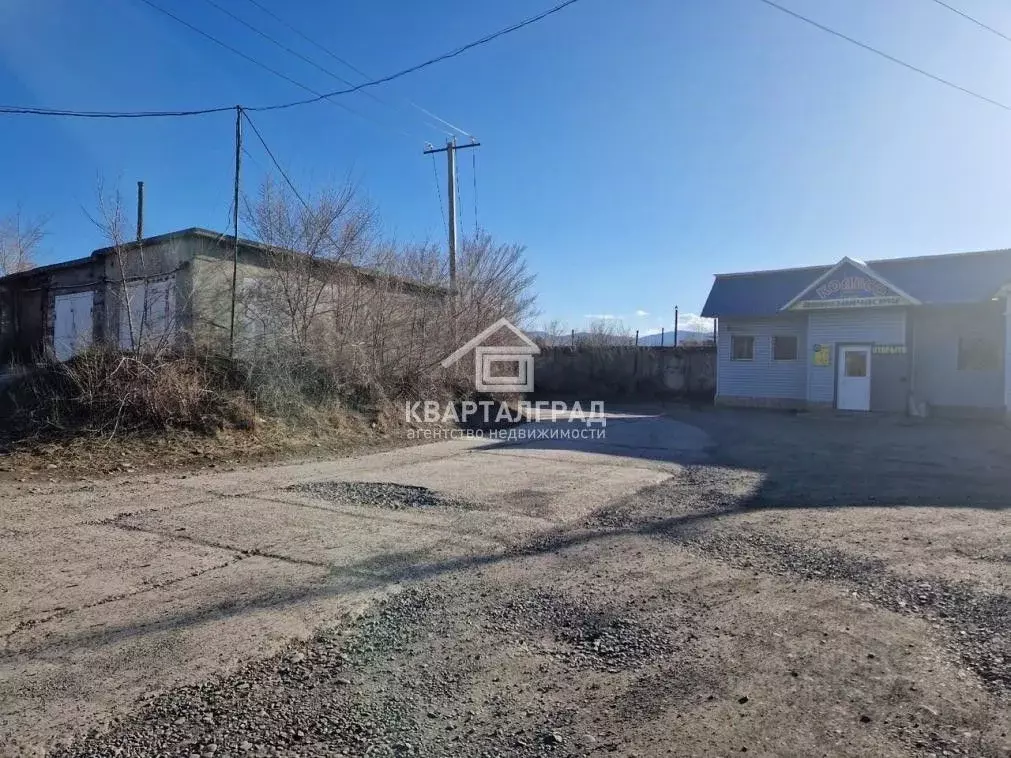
933, 279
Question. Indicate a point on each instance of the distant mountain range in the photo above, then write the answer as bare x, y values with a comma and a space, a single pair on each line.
645, 340
668, 338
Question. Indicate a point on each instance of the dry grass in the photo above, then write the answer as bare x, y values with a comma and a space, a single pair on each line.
332, 433
104, 393
106, 412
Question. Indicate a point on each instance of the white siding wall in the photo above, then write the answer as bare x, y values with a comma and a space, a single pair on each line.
762, 377
886, 326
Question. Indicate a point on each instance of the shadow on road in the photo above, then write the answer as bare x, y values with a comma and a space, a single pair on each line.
808, 460
830, 462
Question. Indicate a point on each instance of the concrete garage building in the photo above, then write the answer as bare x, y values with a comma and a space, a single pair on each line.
925, 335
174, 290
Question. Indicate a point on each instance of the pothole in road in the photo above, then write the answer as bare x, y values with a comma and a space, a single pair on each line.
586, 637
397, 497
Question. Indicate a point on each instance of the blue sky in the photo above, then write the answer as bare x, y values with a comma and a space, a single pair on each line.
635, 146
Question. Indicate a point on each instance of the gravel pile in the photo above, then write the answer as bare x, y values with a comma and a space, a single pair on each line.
396, 497
694, 492
980, 624
393, 685
304, 702
587, 637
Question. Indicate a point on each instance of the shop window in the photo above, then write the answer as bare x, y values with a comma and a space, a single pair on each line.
855, 363
742, 348
978, 354
784, 347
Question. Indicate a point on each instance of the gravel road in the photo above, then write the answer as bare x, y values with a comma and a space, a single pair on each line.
721, 611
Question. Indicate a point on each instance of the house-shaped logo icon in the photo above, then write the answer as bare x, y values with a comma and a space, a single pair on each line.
500, 368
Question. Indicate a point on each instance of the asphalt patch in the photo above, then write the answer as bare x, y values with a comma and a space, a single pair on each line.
584, 636
396, 497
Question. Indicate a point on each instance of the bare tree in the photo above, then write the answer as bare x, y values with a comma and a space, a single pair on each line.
20, 239
341, 305
493, 282
606, 333
553, 334
112, 222
141, 285
310, 248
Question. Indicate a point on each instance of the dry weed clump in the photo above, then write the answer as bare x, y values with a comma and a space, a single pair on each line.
105, 393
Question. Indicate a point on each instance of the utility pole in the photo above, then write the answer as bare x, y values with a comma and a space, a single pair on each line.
450, 151
235, 226
451, 206
675, 326
140, 211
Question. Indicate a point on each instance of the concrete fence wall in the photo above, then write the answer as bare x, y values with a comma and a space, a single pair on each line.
632, 372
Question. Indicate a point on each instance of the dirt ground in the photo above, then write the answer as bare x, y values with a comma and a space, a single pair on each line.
705, 582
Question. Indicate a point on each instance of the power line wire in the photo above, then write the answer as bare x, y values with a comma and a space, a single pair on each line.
438, 190
348, 64
438, 59
281, 45
304, 58
66, 112
274, 160
976, 21
886, 56
223, 44
250, 58
284, 175
459, 202
253, 159
19, 110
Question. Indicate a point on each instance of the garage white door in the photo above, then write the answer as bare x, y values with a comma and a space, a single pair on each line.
72, 327
147, 314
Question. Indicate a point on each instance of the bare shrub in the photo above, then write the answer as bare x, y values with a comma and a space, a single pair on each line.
605, 333
373, 316
311, 248
140, 293
329, 316
493, 282
554, 334
103, 392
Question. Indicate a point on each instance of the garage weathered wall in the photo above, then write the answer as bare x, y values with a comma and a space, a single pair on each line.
158, 258
349, 308
28, 301
633, 372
